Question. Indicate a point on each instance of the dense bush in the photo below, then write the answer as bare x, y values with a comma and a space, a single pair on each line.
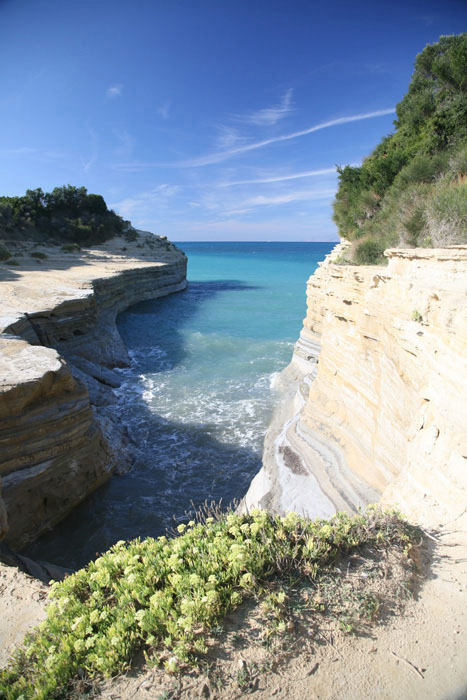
368, 252
66, 214
164, 595
446, 214
4, 253
412, 188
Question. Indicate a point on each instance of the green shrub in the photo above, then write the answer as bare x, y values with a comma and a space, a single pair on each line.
39, 255
458, 162
130, 234
165, 595
415, 226
447, 215
4, 252
369, 252
343, 260
422, 168
71, 248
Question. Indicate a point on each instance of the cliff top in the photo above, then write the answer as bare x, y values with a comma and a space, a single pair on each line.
39, 276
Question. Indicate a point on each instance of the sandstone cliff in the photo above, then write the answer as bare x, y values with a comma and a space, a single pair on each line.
373, 403
58, 343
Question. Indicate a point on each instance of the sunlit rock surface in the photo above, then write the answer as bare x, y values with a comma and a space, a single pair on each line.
58, 343
373, 403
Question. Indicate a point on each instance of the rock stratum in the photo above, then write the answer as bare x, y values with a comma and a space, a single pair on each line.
372, 406
58, 344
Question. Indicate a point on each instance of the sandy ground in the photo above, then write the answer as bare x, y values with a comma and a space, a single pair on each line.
421, 653
22, 606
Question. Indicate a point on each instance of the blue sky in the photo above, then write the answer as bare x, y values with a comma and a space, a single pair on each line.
206, 119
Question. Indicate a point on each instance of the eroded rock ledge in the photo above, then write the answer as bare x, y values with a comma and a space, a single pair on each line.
58, 345
373, 403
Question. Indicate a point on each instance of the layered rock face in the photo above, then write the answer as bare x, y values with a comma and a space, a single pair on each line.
47, 437
373, 403
58, 342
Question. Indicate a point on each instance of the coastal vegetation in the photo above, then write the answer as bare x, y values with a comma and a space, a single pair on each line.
68, 214
412, 189
167, 596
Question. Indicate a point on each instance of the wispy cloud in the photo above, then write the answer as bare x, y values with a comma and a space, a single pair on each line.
220, 156
428, 20
211, 201
269, 115
286, 198
144, 203
164, 109
34, 152
125, 143
225, 154
228, 137
114, 91
279, 178
21, 150
317, 227
349, 69
88, 162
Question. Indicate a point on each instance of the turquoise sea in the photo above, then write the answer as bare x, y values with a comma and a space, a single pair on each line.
198, 396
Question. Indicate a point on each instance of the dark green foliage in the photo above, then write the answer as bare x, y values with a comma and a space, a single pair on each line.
71, 248
415, 225
422, 168
447, 214
435, 106
96, 204
429, 144
66, 214
369, 252
4, 253
458, 162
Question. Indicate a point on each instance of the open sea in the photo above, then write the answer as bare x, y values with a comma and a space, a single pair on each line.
198, 396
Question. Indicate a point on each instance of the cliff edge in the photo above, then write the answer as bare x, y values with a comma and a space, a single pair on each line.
373, 403
58, 345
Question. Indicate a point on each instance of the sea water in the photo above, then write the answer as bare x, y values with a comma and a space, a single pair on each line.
198, 396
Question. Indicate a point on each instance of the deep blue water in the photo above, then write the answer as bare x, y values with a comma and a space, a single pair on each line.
197, 399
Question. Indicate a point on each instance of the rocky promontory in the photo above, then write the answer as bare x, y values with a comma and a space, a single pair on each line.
58, 344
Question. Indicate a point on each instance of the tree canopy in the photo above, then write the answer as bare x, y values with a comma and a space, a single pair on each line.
67, 213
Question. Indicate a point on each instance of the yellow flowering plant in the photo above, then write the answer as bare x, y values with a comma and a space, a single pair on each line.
163, 596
